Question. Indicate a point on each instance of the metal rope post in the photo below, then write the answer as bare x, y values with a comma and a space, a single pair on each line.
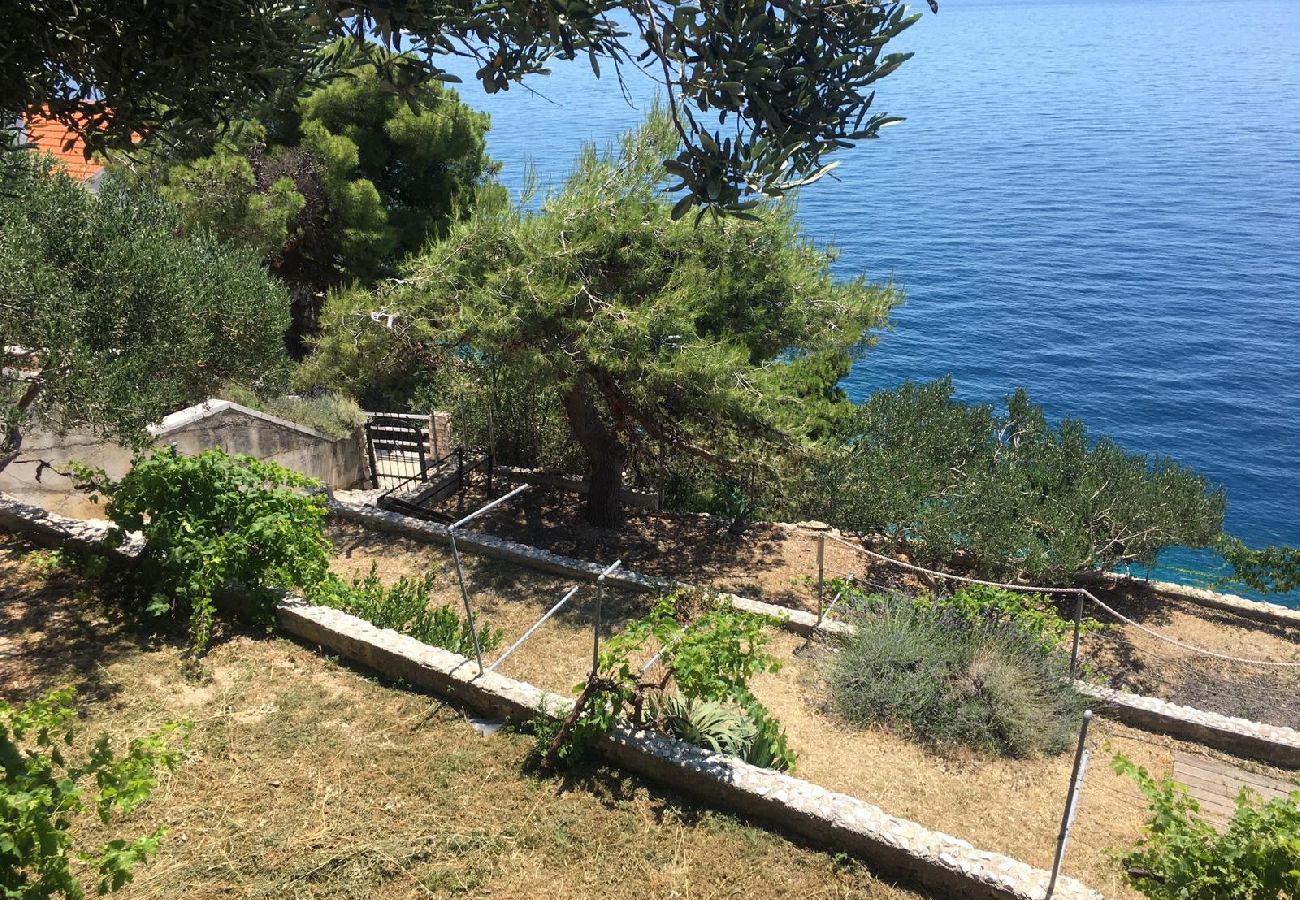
464, 596
1071, 802
600, 610
820, 528
821, 571
1078, 626
460, 572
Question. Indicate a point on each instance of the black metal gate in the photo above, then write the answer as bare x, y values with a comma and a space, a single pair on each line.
396, 447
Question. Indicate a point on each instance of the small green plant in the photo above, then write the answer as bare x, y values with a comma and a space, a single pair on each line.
405, 607
947, 679
1183, 857
1032, 614
44, 789
218, 529
708, 654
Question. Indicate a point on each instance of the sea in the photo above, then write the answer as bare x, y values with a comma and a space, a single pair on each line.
1098, 200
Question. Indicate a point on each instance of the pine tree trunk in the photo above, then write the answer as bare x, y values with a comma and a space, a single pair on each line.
606, 455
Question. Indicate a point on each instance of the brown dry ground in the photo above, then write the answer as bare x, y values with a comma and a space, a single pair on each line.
779, 565
306, 779
1012, 806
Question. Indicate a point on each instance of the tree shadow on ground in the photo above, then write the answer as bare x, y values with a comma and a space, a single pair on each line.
57, 629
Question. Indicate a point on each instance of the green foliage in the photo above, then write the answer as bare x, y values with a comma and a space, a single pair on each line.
948, 679
789, 81
342, 182
405, 607
126, 320
1269, 570
709, 653
1183, 857
707, 723
1004, 494
498, 405
1035, 615
45, 787
218, 528
722, 343
154, 68
331, 414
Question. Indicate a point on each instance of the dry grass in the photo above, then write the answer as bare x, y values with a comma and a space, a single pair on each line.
306, 779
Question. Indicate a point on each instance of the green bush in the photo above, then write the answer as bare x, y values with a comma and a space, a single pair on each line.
1005, 494
1033, 614
405, 607
217, 528
1183, 857
45, 787
1269, 570
946, 680
710, 651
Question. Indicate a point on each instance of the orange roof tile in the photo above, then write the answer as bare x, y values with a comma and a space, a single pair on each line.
52, 136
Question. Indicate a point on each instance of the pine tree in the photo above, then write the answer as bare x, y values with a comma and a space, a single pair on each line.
717, 341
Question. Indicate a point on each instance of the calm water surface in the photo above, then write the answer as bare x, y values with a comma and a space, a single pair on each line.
1096, 199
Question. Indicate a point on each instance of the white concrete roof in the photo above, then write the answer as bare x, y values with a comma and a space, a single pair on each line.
208, 408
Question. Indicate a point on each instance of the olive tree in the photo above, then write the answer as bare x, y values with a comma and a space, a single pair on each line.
1002, 491
762, 92
110, 318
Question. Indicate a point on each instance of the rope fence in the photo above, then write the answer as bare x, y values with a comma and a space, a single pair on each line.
1067, 591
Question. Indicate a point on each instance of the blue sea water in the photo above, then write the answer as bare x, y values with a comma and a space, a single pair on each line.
1096, 199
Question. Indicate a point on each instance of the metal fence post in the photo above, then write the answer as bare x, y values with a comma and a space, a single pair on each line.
370, 453
464, 596
1071, 802
1078, 626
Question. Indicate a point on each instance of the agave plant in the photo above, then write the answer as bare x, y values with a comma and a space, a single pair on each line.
708, 723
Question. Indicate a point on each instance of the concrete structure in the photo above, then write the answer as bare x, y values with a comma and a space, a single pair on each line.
338, 462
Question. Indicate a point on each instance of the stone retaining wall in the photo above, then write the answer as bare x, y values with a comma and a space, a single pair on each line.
490, 545
1270, 743
1258, 610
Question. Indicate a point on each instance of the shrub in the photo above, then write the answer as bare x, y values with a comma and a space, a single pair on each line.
1033, 614
1011, 496
44, 787
709, 653
949, 680
217, 528
405, 607
1183, 857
